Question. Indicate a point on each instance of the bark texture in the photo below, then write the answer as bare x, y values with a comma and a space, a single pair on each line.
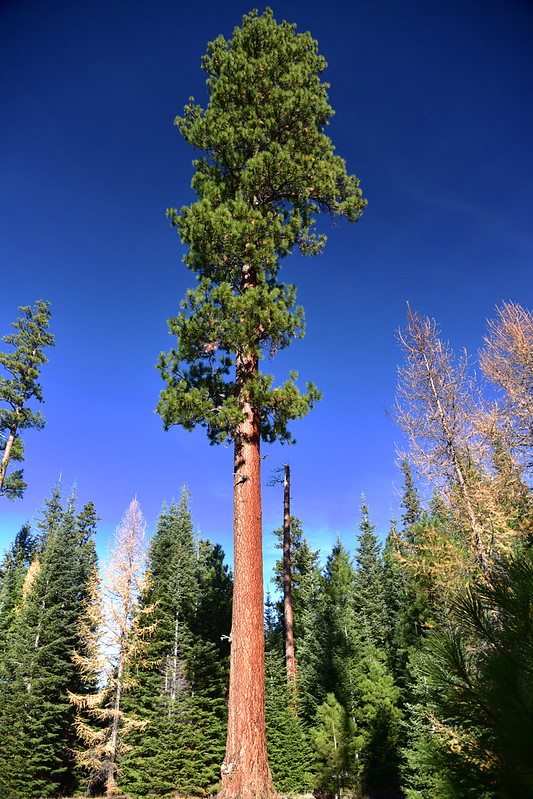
245, 770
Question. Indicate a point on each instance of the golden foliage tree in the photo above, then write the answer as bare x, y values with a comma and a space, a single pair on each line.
112, 636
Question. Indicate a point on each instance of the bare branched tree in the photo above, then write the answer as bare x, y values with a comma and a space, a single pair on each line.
437, 407
507, 362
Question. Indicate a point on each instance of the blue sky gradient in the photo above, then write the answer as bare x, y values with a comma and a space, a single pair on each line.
434, 115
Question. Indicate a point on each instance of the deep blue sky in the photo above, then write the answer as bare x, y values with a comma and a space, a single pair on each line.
433, 113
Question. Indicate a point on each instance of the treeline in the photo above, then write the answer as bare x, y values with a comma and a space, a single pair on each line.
414, 659
118, 684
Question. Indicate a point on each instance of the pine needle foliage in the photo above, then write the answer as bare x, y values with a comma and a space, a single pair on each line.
267, 168
478, 672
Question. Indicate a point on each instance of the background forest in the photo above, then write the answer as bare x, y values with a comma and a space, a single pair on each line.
414, 659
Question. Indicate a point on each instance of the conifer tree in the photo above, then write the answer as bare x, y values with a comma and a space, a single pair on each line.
36, 717
370, 606
375, 697
336, 743
180, 679
18, 386
437, 411
267, 168
13, 570
410, 498
344, 633
304, 568
506, 360
378, 717
288, 744
312, 634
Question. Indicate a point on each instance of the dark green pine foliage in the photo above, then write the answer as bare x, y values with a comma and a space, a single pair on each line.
309, 623
273, 626
412, 507
409, 595
36, 718
288, 744
180, 682
266, 170
21, 367
475, 737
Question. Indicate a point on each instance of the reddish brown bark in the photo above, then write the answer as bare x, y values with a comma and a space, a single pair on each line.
245, 770
290, 658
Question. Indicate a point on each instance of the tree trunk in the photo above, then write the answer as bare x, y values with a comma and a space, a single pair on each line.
245, 770
290, 658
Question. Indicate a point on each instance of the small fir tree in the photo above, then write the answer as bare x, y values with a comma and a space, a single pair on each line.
288, 744
335, 746
370, 607
13, 570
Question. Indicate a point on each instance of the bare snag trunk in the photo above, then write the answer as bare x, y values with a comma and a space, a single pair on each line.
290, 657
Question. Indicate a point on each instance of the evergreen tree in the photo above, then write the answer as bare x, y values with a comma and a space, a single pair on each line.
313, 637
335, 743
289, 748
180, 680
268, 169
36, 717
375, 697
13, 570
370, 607
22, 367
344, 632
378, 717
304, 561
410, 499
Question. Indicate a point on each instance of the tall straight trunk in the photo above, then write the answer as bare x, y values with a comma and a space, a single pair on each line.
290, 658
245, 770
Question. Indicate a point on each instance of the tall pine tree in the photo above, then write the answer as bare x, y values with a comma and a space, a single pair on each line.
267, 169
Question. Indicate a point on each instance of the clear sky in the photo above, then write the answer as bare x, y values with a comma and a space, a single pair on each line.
434, 114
